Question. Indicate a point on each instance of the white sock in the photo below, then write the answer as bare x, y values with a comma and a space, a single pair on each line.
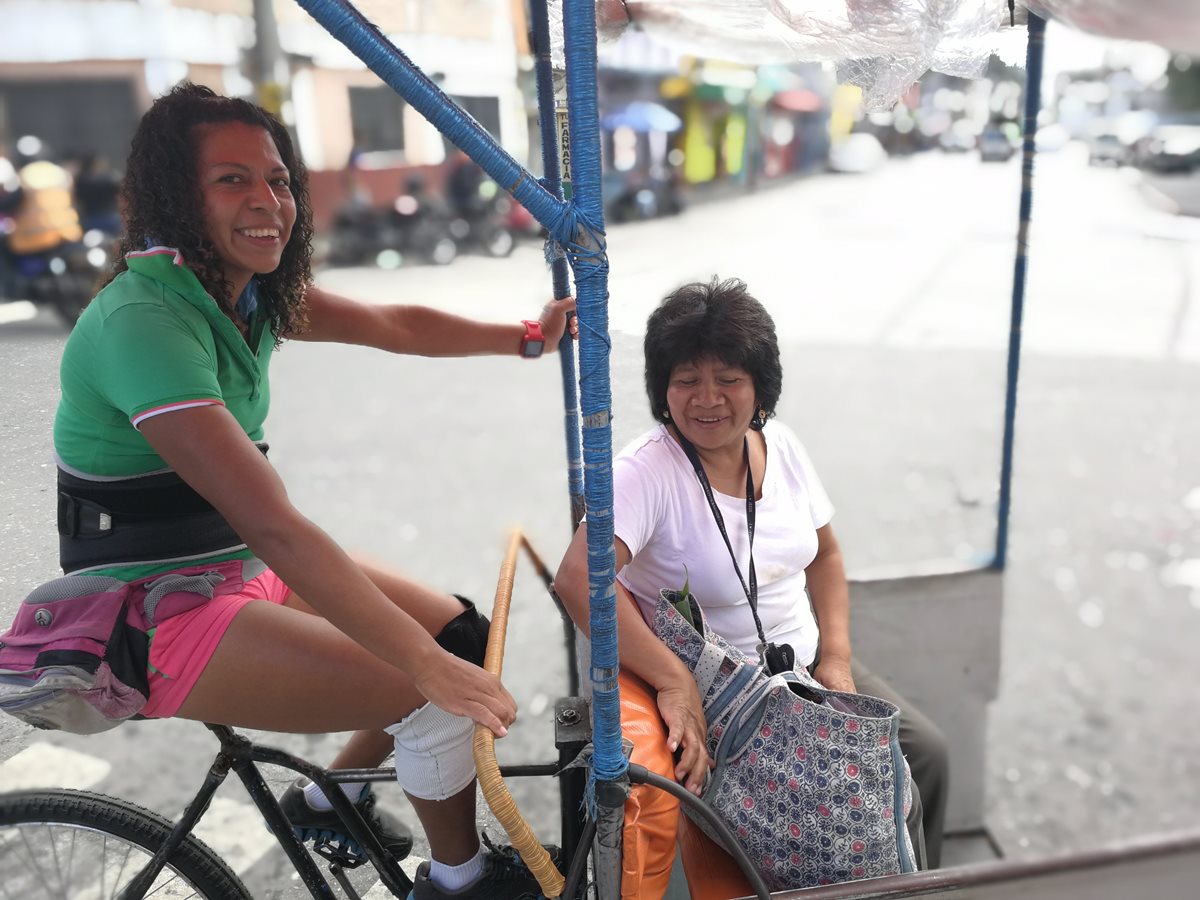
317, 800
455, 878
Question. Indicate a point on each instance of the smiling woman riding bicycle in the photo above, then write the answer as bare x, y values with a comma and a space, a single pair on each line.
164, 392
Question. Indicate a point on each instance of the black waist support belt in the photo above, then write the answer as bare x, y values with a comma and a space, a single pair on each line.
144, 519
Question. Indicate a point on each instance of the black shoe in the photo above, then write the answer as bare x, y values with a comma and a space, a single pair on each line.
505, 877
325, 829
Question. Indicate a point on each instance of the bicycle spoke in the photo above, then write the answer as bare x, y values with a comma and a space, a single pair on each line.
120, 876
32, 862
7, 895
71, 855
62, 878
99, 857
171, 893
103, 867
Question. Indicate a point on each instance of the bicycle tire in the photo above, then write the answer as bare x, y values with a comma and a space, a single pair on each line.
41, 830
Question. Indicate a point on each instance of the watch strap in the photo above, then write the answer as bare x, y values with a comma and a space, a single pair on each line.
533, 342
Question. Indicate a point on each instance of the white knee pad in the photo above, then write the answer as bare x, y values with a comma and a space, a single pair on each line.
433, 753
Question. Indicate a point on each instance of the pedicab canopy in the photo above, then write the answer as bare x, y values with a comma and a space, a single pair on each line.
883, 46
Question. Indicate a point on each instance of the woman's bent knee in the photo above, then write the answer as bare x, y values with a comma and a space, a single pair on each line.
433, 753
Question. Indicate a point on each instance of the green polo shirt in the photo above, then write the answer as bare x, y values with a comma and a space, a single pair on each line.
150, 342
153, 341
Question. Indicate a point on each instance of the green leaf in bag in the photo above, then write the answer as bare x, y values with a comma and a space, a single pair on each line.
682, 600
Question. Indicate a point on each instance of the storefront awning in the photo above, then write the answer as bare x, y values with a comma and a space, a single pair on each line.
798, 100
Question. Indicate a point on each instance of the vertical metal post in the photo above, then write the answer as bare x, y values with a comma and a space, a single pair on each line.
571, 783
609, 777
267, 59
1033, 103
548, 125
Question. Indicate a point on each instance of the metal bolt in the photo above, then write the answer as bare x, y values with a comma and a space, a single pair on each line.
568, 717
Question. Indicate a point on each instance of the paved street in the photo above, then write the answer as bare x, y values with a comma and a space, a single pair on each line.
890, 293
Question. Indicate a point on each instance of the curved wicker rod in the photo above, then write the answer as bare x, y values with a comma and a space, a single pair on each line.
495, 792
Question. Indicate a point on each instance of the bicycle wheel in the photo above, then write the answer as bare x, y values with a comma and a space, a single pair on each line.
72, 844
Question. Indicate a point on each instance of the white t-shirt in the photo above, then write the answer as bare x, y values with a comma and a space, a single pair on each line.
663, 517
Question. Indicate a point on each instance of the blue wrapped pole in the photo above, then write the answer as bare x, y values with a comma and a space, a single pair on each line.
578, 227
539, 14
386, 60
570, 784
1033, 104
609, 784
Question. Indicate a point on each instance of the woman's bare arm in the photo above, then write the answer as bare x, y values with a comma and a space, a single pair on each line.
421, 330
830, 593
209, 450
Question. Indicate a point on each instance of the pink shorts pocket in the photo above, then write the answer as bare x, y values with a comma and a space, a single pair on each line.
184, 643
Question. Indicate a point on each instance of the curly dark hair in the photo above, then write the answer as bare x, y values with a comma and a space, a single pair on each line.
718, 320
164, 203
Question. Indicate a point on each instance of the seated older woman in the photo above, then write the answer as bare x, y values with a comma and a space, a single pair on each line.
713, 377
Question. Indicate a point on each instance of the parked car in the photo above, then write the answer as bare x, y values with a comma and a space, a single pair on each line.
995, 146
1106, 150
1173, 149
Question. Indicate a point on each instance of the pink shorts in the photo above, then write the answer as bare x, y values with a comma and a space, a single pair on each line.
182, 645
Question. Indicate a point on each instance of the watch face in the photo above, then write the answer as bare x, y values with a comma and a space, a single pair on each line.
534, 348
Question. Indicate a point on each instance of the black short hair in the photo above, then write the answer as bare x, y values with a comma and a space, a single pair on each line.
164, 203
718, 320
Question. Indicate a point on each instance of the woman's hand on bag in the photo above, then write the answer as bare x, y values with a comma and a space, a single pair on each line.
464, 689
680, 707
834, 673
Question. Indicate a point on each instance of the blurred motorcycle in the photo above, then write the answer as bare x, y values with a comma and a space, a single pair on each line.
64, 278
414, 227
482, 223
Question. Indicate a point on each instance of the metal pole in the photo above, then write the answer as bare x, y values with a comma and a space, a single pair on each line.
609, 776
1033, 103
540, 19
266, 59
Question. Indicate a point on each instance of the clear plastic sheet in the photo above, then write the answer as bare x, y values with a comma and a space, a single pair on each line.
881, 45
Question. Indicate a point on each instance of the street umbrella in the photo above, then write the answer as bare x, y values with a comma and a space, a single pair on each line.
642, 116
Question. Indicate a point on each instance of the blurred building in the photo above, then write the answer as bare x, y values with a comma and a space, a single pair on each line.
79, 73
737, 123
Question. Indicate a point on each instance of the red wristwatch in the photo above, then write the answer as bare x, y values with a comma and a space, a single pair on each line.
533, 342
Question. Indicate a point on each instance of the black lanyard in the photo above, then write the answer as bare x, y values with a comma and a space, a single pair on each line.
777, 658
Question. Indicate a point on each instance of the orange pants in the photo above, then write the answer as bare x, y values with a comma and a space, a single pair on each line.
652, 819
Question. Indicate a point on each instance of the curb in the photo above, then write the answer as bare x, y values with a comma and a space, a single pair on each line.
1157, 198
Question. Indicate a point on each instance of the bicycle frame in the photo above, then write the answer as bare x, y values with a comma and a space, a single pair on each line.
242, 756
239, 754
